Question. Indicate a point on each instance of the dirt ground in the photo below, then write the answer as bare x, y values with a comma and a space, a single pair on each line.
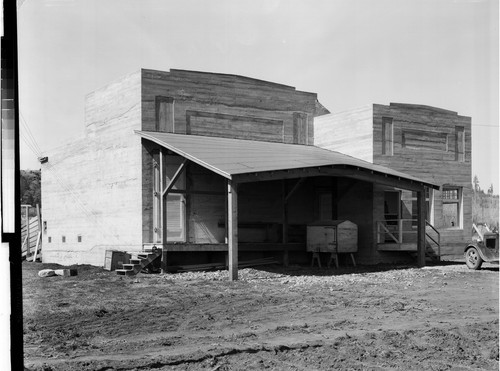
366, 318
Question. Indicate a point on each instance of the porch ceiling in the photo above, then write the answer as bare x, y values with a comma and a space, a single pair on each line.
238, 159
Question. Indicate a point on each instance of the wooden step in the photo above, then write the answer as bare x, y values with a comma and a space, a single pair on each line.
135, 261
129, 267
125, 272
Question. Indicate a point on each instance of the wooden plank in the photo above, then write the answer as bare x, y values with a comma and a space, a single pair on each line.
232, 223
249, 246
38, 240
193, 192
397, 247
28, 252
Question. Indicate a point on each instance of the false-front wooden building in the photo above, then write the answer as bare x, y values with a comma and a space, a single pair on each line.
427, 142
204, 165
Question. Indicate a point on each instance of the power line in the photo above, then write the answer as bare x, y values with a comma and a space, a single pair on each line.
30, 134
30, 146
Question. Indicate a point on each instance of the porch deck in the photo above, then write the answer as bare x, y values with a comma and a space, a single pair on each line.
247, 246
397, 246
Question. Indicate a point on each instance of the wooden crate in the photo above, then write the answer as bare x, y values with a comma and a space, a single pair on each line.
337, 236
115, 259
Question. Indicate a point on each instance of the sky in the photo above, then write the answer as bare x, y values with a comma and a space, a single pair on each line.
442, 53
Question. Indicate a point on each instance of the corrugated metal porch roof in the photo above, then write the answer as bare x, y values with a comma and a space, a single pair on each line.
229, 157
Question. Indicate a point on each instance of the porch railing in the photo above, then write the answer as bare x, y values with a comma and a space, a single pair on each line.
396, 231
402, 231
433, 237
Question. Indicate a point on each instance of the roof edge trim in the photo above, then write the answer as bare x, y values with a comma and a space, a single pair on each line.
196, 160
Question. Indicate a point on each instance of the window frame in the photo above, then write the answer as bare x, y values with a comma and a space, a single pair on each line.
458, 201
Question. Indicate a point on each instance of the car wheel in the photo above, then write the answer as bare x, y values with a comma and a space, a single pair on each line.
473, 259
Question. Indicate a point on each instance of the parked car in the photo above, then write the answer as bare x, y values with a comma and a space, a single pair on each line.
483, 249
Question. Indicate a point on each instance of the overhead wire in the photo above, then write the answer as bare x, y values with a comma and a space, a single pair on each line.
28, 137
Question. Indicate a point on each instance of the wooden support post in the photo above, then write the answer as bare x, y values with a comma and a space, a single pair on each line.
421, 213
163, 211
285, 221
400, 231
232, 229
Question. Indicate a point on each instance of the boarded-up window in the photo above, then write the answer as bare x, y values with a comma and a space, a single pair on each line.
165, 114
299, 128
452, 207
459, 144
387, 136
223, 125
424, 140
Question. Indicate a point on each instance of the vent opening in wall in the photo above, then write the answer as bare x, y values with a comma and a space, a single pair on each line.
63, 238
79, 238
50, 239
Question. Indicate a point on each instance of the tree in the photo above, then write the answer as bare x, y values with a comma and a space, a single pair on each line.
490, 190
475, 181
30, 188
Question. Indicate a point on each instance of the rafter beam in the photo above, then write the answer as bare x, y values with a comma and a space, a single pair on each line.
176, 176
295, 187
346, 172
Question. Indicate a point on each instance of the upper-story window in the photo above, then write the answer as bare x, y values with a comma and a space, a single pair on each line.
387, 136
459, 144
164, 114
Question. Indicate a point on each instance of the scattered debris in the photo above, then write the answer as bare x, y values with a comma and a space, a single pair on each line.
57, 272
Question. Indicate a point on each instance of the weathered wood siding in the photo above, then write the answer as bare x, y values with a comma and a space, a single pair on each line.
349, 132
425, 147
206, 213
230, 106
355, 203
91, 187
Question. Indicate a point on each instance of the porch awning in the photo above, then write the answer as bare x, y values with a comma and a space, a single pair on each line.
233, 157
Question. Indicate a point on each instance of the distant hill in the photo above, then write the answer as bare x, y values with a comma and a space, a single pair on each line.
485, 208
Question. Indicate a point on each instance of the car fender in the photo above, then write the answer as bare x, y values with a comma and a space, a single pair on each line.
478, 249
